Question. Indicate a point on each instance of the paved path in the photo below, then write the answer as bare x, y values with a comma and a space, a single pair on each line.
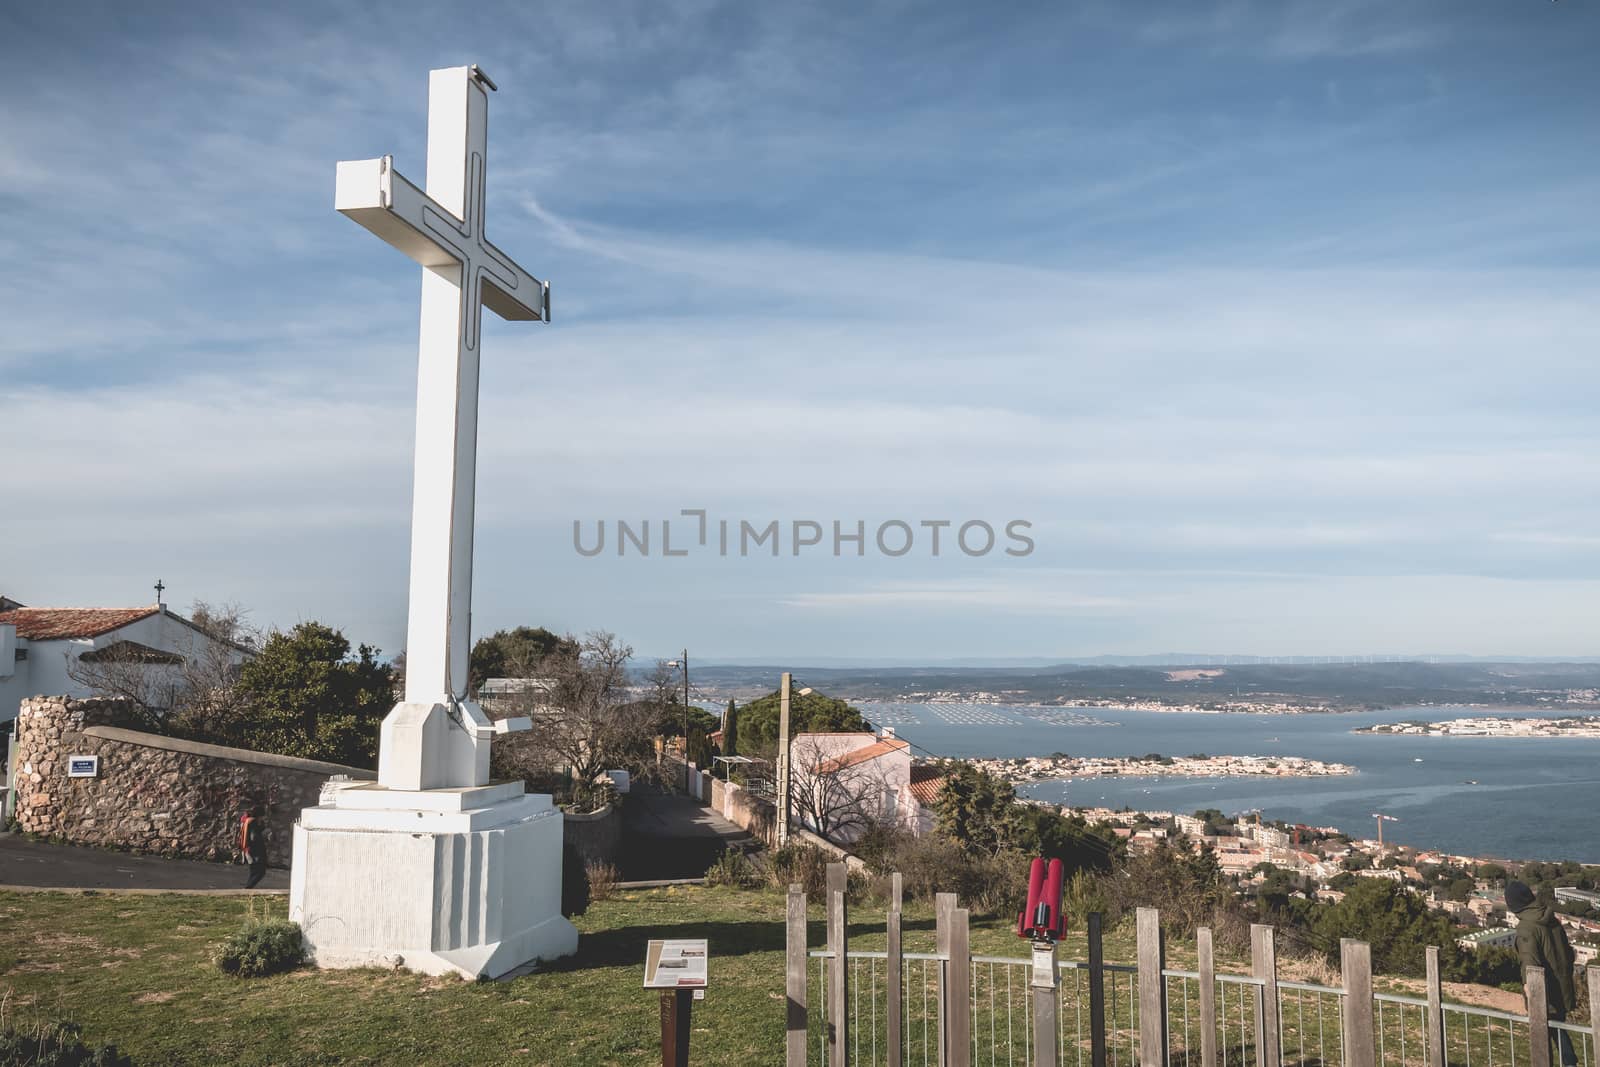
38, 865
665, 835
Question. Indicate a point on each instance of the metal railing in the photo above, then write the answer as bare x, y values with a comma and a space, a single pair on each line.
950, 1008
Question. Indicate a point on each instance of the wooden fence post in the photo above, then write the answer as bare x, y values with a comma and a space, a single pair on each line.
894, 985
1355, 964
958, 1047
1435, 1038
1152, 990
1208, 997
838, 992
795, 979
944, 907
896, 891
1097, 994
1533, 979
1264, 965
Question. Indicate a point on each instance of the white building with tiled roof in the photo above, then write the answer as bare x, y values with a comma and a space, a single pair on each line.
870, 777
39, 647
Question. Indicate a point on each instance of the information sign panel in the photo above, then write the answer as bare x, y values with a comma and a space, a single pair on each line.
675, 965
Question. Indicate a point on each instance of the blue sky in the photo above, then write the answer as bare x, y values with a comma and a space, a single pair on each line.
1278, 321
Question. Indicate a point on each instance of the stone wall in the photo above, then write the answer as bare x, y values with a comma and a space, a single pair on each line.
154, 794
596, 835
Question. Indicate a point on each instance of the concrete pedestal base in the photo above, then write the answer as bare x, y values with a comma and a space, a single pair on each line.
439, 881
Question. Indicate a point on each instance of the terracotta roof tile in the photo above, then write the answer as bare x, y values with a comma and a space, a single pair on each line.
58, 624
926, 783
862, 755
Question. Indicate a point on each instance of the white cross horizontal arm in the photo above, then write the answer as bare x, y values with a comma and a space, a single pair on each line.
373, 193
509, 291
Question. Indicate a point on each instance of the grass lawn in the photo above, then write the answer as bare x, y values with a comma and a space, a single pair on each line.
136, 971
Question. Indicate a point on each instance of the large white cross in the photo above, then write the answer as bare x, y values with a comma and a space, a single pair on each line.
462, 273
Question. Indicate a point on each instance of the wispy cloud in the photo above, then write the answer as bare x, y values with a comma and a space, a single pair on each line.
1229, 338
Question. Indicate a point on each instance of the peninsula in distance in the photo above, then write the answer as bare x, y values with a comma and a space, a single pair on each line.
1198, 685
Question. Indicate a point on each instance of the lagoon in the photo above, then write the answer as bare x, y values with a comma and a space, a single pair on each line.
1533, 798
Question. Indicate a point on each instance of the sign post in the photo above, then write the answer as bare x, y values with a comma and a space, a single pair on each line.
678, 969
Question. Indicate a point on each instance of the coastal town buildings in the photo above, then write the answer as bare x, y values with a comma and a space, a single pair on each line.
1490, 937
1023, 769
1569, 895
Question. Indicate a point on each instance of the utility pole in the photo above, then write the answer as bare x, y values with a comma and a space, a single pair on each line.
685, 662
783, 760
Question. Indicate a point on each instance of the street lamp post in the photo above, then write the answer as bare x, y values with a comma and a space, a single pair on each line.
684, 663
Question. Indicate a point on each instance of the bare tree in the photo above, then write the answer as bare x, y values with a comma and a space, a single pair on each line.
597, 724
146, 678
189, 691
585, 715
836, 797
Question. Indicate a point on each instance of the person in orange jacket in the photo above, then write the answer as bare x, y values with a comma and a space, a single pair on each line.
253, 843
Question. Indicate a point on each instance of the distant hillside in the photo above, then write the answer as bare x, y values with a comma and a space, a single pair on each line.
1335, 686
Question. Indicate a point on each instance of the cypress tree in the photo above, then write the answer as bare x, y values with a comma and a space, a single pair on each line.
730, 730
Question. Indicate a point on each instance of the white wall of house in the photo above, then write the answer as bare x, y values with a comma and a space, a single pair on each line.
910, 814
882, 781
13, 673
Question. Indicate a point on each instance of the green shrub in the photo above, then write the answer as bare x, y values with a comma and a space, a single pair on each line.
262, 948
55, 1045
802, 863
733, 868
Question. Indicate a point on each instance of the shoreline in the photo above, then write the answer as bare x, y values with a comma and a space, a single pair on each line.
1029, 770
1583, 726
1221, 707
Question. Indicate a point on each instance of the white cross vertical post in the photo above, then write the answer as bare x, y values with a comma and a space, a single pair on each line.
436, 738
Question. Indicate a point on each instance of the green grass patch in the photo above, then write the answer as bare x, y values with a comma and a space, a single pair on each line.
137, 971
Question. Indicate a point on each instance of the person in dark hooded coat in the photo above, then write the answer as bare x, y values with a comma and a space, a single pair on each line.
1541, 942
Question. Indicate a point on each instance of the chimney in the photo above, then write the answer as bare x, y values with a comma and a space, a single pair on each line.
888, 733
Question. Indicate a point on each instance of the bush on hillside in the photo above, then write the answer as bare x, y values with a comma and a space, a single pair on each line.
261, 948
55, 1045
986, 884
733, 868
799, 863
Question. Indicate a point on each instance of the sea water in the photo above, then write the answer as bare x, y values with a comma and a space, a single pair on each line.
1503, 797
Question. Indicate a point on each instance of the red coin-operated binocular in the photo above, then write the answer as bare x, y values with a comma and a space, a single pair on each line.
1041, 920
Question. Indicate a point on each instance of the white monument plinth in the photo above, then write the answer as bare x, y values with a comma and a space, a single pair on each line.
438, 881
433, 867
